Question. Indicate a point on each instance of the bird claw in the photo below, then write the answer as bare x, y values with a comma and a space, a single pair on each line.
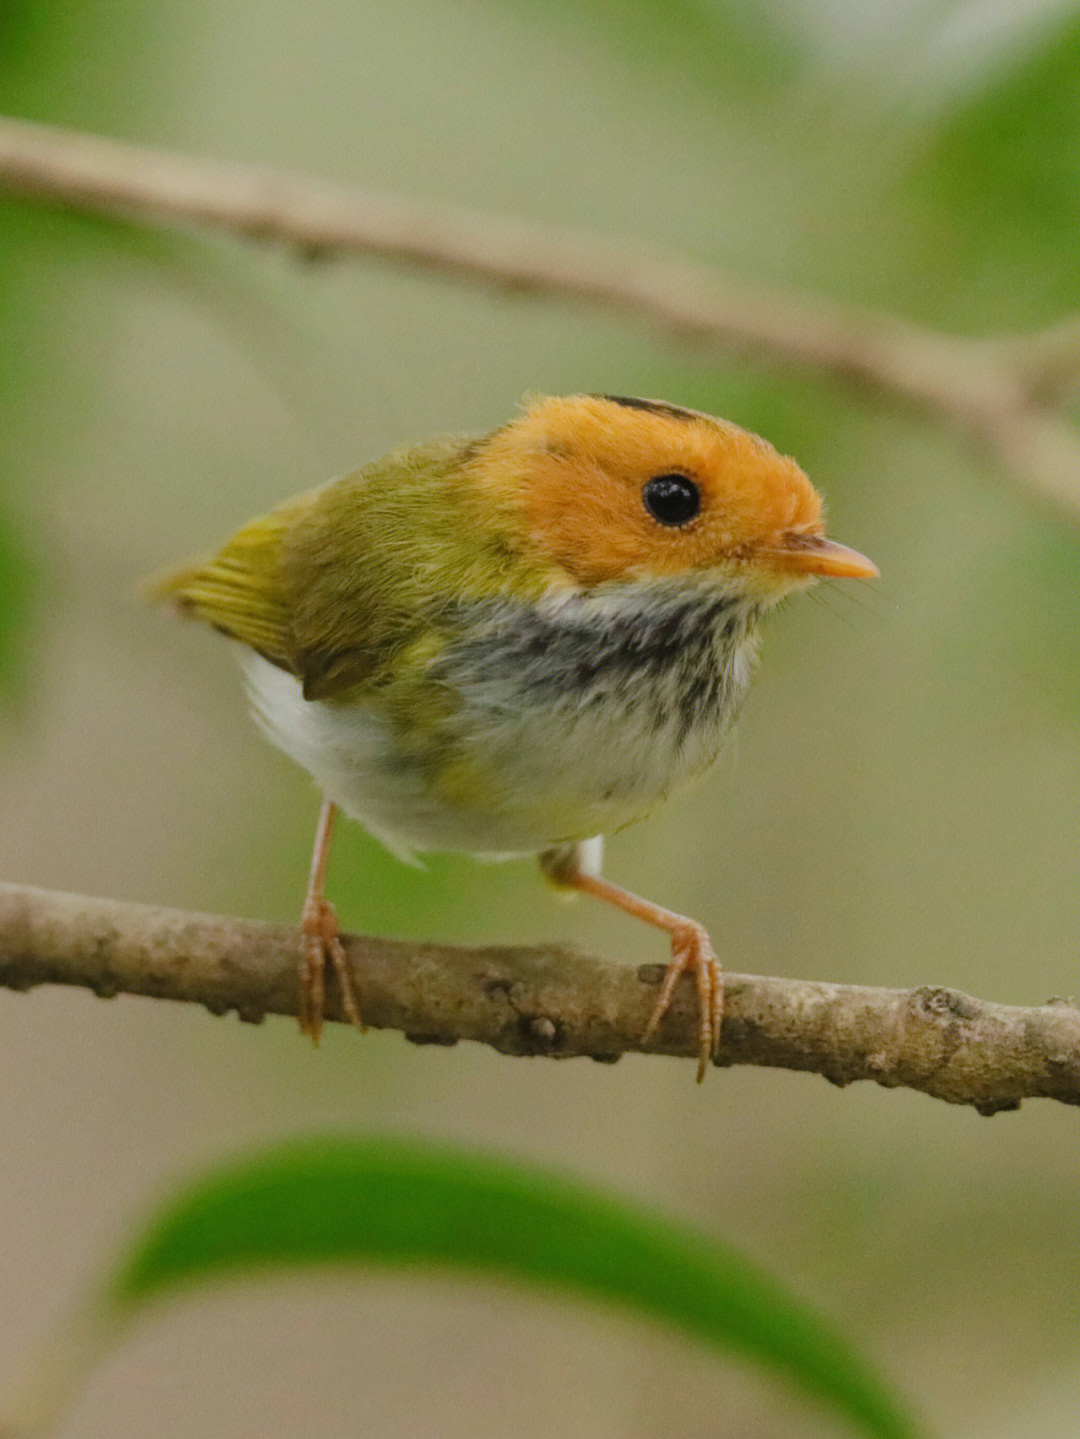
691, 950
321, 941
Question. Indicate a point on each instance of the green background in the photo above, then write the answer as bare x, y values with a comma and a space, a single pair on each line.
899, 806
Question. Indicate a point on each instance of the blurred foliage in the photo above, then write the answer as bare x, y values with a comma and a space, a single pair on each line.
18, 577
1005, 169
18, 571
57, 68
338, 1201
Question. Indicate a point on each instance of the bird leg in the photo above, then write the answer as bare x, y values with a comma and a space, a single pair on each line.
691, 949
320, 940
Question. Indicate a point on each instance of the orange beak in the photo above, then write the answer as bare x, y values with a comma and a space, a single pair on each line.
815, 555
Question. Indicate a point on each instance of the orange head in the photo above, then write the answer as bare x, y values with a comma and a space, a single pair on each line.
614, 488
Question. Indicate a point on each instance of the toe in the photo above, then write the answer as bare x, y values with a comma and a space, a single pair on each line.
312, 981
691, 950
349, 1002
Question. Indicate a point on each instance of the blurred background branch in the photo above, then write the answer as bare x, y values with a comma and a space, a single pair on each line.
549, 1000
1005, 394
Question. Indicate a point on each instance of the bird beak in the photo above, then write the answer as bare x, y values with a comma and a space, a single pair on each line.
805, 554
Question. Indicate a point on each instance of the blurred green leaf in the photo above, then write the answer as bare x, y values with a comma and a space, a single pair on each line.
1005, 171
339, 1201
55, 67
1000, 137
18, 576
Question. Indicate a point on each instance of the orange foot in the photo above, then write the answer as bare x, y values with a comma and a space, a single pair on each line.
691, 950
572, 867
321, 941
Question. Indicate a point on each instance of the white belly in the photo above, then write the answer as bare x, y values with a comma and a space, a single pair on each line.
351, 754
550, 743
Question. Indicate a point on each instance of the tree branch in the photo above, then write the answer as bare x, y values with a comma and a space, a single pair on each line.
1004, 393
546, 1000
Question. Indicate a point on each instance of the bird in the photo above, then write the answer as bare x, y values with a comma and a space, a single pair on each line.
516, 642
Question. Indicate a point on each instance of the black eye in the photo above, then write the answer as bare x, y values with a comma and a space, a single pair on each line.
671, 499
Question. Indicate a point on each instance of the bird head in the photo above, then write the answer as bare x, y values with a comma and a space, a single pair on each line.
613, 488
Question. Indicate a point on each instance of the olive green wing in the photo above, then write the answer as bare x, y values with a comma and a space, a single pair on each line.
240, 591
337, 585
304, 589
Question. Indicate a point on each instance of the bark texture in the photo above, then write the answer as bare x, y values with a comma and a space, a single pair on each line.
550, 1001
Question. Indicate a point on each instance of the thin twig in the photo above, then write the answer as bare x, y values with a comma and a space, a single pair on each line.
546, 1000
1003, 392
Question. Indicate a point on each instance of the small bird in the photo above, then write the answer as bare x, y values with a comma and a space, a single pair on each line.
517, 642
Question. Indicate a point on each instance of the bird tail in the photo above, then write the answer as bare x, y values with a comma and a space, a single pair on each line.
172, 587
237, 591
